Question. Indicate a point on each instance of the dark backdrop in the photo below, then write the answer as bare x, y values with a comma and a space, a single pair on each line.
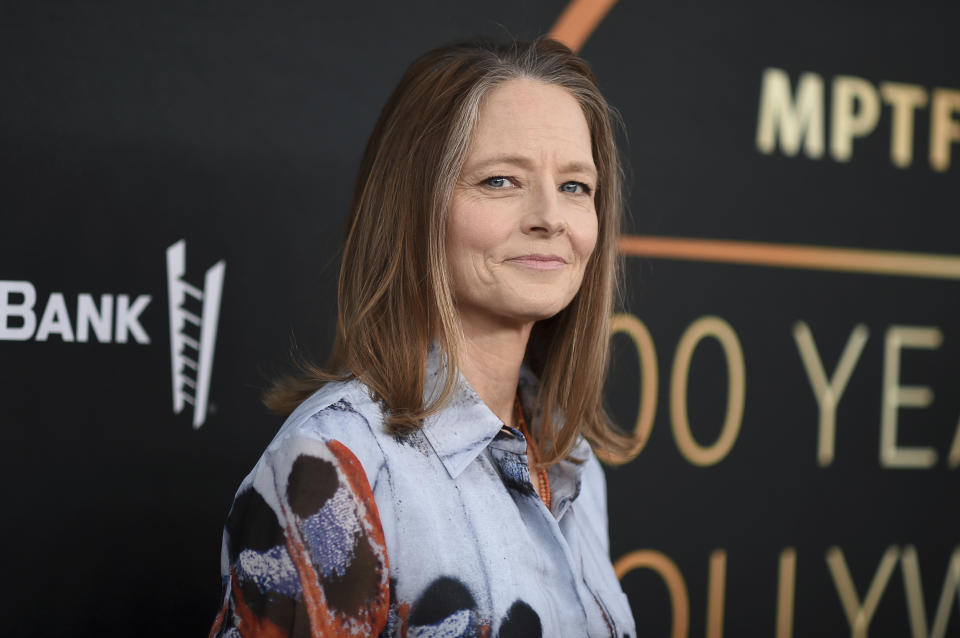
237, 127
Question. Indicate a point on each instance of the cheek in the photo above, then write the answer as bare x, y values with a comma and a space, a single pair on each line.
584, 237
472, 231
458, 236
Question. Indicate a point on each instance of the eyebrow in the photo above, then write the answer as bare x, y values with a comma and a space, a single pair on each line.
527, 163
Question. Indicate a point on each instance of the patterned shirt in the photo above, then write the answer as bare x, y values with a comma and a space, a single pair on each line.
342, 529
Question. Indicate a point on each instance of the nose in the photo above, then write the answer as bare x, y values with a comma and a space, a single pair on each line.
544, 215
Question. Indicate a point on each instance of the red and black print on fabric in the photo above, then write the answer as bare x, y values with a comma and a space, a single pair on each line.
319, 566
315, 563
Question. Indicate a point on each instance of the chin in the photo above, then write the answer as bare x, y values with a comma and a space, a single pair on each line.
538, 312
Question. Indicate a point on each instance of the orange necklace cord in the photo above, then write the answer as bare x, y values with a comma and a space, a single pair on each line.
534, 454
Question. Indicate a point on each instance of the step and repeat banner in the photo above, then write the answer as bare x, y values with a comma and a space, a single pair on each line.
174, 182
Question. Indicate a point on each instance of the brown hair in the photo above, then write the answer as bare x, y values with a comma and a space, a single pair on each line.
395, 296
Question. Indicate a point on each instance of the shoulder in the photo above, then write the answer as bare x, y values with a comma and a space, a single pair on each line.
326, 444
594, 480
591, 503
303, 534
340, 416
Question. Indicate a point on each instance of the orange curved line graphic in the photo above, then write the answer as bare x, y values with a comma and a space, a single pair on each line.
579, 20
856, 260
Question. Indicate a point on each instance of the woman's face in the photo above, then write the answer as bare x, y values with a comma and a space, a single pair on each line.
522, 223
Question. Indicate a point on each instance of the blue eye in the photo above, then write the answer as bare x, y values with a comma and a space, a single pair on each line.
496, 182
575, 188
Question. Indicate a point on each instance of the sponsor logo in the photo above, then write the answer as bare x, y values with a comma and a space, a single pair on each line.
115, 319
797, 119
194, 313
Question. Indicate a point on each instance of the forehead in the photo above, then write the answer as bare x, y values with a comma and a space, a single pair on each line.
533, 118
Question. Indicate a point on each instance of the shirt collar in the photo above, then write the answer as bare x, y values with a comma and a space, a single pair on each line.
565, 478
461, 430
566, 474
465, 426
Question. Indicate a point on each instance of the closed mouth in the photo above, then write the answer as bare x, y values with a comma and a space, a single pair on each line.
539, 262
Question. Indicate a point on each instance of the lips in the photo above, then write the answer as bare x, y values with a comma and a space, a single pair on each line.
539, 261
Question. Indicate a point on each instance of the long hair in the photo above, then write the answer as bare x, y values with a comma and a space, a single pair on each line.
395, 295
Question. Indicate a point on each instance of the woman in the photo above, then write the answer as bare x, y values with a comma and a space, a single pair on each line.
437, 477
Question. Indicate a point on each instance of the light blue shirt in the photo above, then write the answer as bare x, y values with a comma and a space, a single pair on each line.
343, 529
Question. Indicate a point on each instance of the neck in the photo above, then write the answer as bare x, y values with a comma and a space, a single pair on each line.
490, 361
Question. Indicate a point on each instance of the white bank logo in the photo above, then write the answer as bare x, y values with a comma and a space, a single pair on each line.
194, 313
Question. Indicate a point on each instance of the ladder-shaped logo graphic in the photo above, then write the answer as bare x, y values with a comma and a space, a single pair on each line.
194, 313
